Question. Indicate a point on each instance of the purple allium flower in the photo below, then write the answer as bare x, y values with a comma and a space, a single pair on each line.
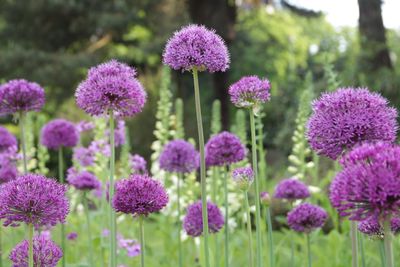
179, 156
372, 227
224, 149
119, 133
46, 253
59, 133
131, 246
243, 177
101, 147
83, 180
265, 198
7, 140
291, 189
196, 46
193, 221
72, 236
111, 86
33, 199
84, 156
139, 195
306, 217
250, 91
84, 126
348, 117
369, 183
8, 173
138, 164
20, 96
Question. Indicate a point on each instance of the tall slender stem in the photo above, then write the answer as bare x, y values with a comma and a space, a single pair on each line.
61, 177
257, 189
202, 165
270, 239
30, 240
141, 234
1, 248
388, 243
354, 243
179, 219
382, 253
22, 120
249, 233
361, 245
113, 227
90, 244
292, 249
226, 216
309, 250
215, 177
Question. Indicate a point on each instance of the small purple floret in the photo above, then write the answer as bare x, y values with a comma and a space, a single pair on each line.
306, 218
179, 156
59, 133
291, 189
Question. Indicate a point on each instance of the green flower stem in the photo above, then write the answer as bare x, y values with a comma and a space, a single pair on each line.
30, 239
270, 239
257, 189
291, 249
309, 250
382, 253
388, 243
179, 219
22, 117
61, 177
1, 248
215, 177
249, 233
113, 226
226, 204
354, 243
361, 245
141, 234
202, 166
90, 244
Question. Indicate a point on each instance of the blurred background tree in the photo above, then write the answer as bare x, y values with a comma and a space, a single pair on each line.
54, 42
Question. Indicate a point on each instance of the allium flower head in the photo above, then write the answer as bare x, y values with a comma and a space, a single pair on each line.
84, 156
72, 236
306, 218
7, 140
349, 117
249, 92
224, 149
83, 180
196, 46
139, 195
265, 198
243, 177
46, 253
59, 133
179, 156
372, 227
369, 183
138, 164
193, 221
111, 86
20, 96
291, 189
8, 172
33, 199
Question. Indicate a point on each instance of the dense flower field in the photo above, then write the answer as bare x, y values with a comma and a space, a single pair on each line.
203, 202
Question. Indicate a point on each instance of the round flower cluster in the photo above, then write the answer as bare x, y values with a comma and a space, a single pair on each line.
139, 195
138, 164
249, 92
45, 253
348, 117
33, 199
372, 227
193, 221
111, 86
291, 189
83, 180
265, 198
306, 218
59, 133
179, 156
369, 183
243, 177
7, 140
196, 47
20, 96
224, 149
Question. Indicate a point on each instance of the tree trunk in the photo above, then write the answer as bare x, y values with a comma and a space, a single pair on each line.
374, 51
221, 16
